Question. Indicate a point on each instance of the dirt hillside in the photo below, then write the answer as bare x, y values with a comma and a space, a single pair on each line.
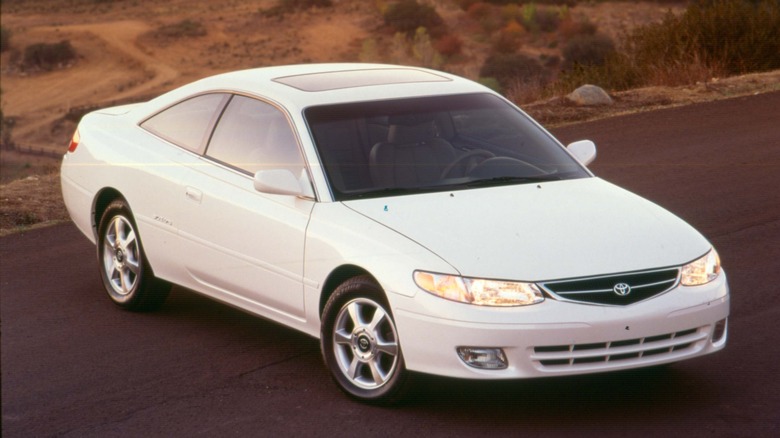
133, 50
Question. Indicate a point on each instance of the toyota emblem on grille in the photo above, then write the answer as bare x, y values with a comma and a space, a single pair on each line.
621, 289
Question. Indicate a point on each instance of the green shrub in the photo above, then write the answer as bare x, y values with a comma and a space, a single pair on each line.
46, 56
491, 83
369, 51
407, 16
423, 50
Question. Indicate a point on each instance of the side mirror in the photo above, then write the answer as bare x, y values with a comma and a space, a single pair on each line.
584, 151
283, 182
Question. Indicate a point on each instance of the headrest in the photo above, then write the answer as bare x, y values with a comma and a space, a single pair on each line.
412, 128
411, 119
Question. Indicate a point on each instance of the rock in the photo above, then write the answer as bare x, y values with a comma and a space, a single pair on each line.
589, 95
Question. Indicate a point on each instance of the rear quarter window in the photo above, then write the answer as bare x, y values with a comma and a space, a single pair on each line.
188, 123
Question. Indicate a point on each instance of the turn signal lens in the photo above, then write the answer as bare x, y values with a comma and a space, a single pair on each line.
74, 141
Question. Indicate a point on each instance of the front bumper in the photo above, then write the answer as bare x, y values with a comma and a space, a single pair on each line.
562, 338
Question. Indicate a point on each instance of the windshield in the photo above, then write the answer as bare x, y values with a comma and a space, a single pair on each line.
402, 146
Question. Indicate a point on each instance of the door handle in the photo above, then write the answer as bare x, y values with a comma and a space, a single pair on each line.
193, 194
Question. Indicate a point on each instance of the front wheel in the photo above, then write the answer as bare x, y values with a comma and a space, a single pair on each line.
360, 343
127, 277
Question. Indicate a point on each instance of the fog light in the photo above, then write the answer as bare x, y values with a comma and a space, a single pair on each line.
484, 358
719, 331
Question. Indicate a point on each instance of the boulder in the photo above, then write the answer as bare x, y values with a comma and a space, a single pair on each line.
589, 95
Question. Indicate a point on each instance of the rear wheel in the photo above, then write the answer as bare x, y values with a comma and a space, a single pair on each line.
127, 277
360, 343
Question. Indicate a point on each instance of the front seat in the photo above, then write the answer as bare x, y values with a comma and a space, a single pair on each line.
413, 154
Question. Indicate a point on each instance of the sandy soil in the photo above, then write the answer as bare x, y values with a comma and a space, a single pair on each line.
121, 57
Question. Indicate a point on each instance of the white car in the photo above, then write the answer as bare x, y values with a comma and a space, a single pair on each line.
412, 220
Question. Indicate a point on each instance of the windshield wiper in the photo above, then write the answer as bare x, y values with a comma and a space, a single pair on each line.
391, 191
504, 180
497, 181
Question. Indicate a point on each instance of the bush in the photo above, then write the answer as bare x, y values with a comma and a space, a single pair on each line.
5, 39
478, 11
540, 19
466, 4
739, 35
423, 50
287, 6
449, 45
569, 28
306, 4
491, 83
509, 38
587, 50
549, 2
618, 73
487, 16
508, 69
407, 16
709, 39
182, 29
547, 20
48, 56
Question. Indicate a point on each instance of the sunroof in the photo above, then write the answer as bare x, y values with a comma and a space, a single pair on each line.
358, 78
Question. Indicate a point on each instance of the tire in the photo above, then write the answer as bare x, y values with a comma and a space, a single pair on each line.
360, 343
127, 277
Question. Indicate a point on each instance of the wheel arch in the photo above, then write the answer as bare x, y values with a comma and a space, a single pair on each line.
337, 277
102, 200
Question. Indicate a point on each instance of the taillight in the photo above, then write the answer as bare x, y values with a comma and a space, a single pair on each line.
74, 142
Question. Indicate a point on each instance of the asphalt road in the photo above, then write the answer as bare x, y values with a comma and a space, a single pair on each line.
75, 365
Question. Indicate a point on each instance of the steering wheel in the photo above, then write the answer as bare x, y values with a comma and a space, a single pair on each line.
467, 156
505, 166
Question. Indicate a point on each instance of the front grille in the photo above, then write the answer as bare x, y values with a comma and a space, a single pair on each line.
652, 348
602, 290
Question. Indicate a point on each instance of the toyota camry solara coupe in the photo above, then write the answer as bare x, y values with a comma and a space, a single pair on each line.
412, 220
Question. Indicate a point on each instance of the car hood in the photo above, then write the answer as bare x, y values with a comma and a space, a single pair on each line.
535, 232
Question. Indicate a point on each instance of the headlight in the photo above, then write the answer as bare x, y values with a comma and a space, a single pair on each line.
701, 271
479, 291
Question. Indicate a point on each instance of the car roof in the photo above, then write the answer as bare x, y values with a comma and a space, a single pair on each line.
300, 86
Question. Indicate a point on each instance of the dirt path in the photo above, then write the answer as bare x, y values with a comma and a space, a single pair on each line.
111, 68
122, 36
